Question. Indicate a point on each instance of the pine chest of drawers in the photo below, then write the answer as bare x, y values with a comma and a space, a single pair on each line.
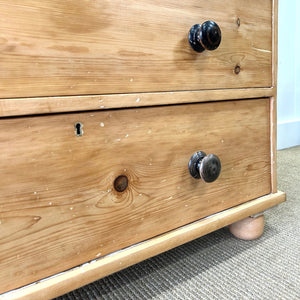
129, 128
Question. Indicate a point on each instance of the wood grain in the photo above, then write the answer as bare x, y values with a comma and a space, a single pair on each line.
58, 205
273, 101
273, 138
47, 105
274, 44
82, 275
56, 48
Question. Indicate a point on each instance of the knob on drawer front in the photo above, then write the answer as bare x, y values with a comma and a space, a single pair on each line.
206, 167
206, 36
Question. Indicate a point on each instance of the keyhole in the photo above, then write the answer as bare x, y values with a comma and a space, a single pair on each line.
78, 129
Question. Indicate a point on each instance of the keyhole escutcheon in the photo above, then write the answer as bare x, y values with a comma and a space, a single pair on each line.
78, 129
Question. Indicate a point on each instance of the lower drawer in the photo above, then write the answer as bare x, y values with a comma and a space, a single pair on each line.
58, 204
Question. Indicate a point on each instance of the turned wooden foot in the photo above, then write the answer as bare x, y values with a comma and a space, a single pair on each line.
249, 228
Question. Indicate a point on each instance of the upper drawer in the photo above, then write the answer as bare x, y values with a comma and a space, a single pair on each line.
55, 48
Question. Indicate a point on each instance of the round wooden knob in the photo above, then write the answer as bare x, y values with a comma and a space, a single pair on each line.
206, 36
206, 167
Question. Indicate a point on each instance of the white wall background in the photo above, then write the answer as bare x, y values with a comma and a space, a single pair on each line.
288, 112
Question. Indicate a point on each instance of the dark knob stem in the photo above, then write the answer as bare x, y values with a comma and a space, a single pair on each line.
206, 167
206, 36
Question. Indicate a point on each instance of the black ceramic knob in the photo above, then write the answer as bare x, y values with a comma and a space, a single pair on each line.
205, 36
206, 167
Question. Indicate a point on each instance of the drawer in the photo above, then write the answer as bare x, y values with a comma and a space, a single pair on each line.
56, 48
59, 206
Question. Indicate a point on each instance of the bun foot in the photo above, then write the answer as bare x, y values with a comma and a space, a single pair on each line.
249, 228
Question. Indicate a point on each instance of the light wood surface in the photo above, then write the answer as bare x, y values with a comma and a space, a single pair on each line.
273, 137
275, 44
55, 48
46, 105
58, 204
74, 278
273, 101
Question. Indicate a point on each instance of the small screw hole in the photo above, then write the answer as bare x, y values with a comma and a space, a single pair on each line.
238, 22
78, 129
237, 69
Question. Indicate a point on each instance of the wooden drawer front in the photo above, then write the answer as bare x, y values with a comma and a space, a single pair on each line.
58, 205
55, 47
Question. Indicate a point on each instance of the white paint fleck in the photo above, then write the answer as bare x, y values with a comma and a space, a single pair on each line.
222, 141
91, 115
164, 180
140, 195
138, 99
261, 50
35, 193
100, 100
149, 131
118, 140
171, 197
0, 222
36, 218
131, 79
102, 124
109, 190
127, 135
71, 208
50, 203
102, 106
186, 205
98, 254
125, 170
150, 164
120, 262
179, 187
